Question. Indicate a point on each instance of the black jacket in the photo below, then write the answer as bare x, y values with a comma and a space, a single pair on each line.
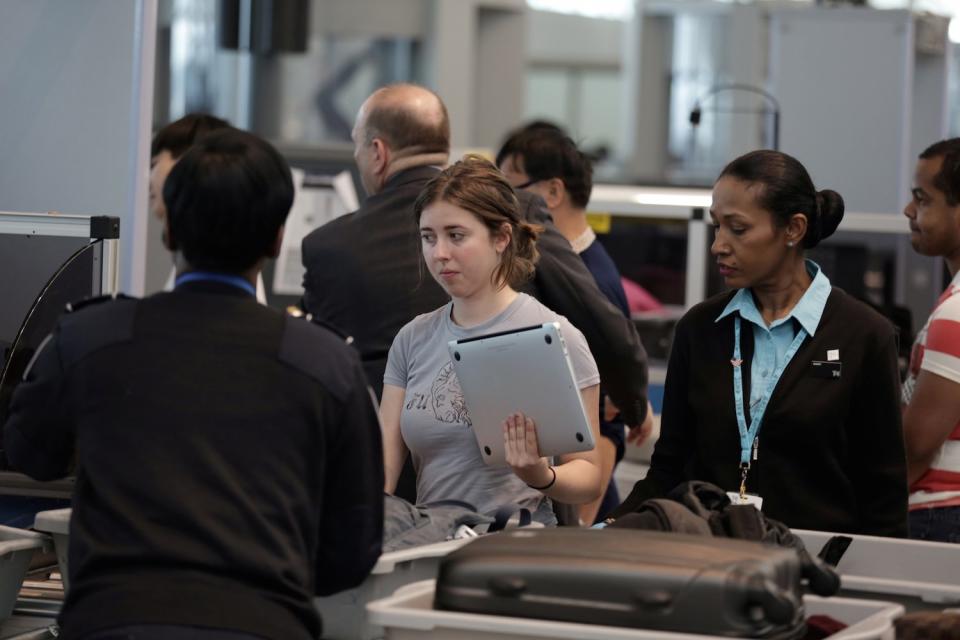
831, 454
364, 275
228, 462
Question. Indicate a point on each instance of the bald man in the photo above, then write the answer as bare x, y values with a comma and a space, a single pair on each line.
363, 270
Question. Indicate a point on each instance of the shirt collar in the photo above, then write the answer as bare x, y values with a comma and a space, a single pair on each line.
952, 289
238, 283
582, 242
424, 171
807, 311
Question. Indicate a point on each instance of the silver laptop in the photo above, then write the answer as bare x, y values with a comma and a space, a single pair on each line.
527, 370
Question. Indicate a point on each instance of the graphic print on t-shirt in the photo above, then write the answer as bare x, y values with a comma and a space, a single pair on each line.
445, 399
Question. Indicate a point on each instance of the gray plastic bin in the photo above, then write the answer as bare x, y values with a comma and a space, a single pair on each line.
344, 614
919, 575
57, 523
409, 615
17, 547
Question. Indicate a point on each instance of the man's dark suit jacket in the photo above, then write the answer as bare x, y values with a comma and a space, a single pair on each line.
365, 277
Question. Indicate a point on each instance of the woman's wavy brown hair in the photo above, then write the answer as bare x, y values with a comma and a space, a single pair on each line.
476, 185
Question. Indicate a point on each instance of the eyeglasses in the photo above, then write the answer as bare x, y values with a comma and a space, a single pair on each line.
528, 183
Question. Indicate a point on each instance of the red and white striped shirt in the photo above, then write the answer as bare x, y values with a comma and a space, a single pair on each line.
937, 350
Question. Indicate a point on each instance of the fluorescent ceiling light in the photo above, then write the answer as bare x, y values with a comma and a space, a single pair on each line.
610, 9
670, 200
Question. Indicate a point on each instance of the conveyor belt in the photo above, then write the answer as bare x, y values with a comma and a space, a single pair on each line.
17, 484
32, 619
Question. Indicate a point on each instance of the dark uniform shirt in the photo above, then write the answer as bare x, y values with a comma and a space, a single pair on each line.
228, 462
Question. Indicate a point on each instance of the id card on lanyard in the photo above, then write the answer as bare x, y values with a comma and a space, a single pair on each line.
749, 435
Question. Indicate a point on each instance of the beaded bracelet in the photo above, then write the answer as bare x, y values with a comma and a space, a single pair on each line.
549, 484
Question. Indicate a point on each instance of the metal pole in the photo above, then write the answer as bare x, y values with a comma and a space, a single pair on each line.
776, 130
110, 267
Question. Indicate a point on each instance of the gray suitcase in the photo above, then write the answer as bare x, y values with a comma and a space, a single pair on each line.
629, 578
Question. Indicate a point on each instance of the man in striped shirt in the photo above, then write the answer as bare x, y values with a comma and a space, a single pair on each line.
931, 392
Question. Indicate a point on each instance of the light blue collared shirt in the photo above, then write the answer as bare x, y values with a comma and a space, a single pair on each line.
770, 343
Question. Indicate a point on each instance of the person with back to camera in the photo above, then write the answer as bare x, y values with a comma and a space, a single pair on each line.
477, 248
784, 390
168, 146
228, 457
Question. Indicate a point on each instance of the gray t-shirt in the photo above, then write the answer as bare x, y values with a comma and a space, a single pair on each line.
434, 420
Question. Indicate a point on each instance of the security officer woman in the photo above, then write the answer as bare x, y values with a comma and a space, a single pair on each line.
783, 391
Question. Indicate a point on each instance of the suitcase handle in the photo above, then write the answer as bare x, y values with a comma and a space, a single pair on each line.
778, 605
833, 550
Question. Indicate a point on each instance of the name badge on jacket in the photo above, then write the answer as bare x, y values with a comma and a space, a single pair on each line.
829, 370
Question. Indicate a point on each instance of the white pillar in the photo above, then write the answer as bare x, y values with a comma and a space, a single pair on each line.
77, 106
477, 54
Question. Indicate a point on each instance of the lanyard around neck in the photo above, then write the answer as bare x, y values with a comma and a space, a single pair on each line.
210, 276
748, 435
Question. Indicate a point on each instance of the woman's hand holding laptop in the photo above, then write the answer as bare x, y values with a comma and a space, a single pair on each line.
523, 452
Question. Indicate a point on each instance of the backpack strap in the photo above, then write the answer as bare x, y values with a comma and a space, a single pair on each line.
505, 512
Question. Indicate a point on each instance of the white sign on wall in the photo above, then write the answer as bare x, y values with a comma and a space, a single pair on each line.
317, 200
